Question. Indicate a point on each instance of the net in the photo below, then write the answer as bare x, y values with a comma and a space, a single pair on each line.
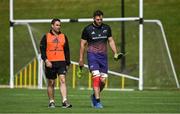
157, 69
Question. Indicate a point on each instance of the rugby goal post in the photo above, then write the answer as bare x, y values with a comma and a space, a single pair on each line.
14, 22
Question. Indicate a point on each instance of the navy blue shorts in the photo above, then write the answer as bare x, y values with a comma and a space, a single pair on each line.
58, 68
97, 61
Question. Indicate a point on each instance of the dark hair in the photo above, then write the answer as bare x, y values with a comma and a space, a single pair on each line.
97, 13
54, 20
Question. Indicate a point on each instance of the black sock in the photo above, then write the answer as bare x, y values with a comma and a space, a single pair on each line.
98, 100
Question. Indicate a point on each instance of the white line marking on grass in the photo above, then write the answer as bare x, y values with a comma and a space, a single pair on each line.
108, 89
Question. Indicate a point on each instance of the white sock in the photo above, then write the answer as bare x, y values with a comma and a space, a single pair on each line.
51, 101
64, 99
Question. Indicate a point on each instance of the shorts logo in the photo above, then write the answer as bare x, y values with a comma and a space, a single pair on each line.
64, 71
93, 32
91, 66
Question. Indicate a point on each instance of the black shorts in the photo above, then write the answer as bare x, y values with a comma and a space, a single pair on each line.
58, 68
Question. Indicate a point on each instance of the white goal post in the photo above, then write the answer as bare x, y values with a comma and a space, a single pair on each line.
140, 19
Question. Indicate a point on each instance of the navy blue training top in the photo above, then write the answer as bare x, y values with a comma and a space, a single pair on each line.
97, 37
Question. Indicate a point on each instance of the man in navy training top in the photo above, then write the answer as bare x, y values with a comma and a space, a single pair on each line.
96, 36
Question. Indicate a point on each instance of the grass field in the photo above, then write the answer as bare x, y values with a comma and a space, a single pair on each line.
35, 101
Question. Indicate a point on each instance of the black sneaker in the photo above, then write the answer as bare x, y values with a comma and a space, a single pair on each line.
65, 104
51, 105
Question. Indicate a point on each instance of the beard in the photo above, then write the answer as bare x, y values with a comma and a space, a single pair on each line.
56, 31
97, 24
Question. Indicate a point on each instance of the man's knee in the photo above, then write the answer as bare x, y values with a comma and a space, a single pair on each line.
103, 81
51, 82
62, 79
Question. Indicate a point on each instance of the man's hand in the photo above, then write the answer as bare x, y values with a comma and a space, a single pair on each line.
67, 67
79, 70
48, 63
118, 56
81, 63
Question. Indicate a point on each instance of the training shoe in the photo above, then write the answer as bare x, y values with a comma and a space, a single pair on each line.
93, 100
51, 105
98, 105
65, 104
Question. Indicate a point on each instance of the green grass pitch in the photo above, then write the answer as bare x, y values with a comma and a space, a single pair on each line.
36, 101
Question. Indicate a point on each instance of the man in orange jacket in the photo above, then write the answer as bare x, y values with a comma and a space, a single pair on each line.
55, 52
